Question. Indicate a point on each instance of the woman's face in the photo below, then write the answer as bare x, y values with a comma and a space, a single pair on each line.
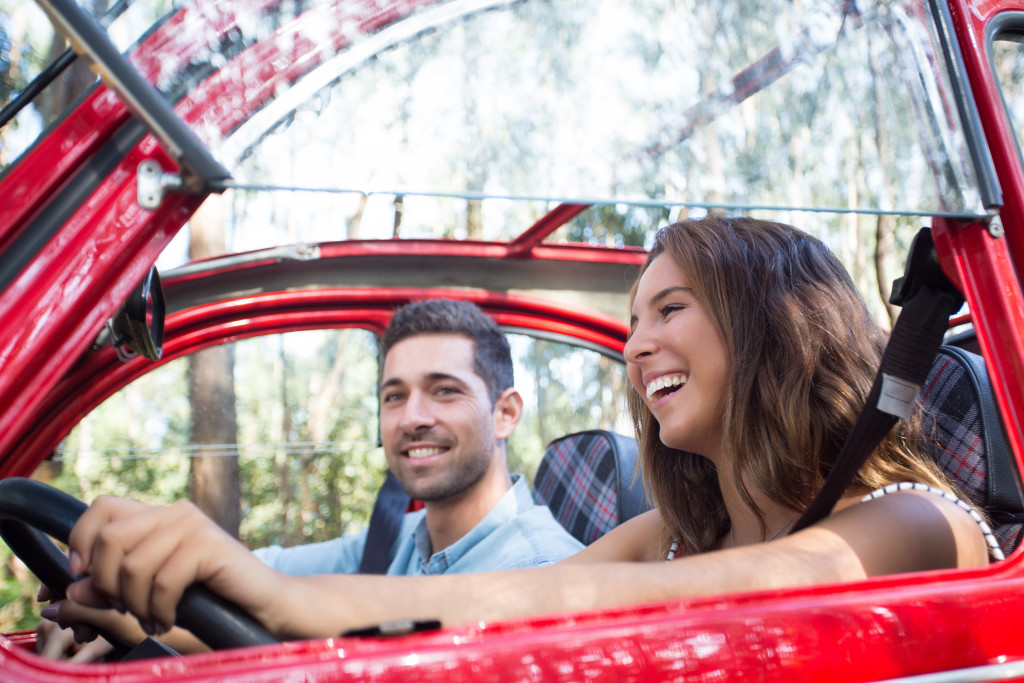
677, 361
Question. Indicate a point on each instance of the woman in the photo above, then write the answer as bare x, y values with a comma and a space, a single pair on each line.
750, 354
799, 352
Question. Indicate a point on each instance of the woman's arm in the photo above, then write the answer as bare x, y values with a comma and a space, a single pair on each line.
635, 540
143, 558
908, 531
902, 532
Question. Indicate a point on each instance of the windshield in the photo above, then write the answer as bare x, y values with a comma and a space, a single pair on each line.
39, 76
668, 103
478, 115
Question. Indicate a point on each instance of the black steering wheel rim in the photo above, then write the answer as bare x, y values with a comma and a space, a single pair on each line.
31, 511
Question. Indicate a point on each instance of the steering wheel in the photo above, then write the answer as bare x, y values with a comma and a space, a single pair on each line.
31, 512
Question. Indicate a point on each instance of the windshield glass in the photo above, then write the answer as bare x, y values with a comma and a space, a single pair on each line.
670, 103
726, 105
32, 56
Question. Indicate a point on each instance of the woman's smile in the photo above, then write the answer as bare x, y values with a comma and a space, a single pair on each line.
666, 384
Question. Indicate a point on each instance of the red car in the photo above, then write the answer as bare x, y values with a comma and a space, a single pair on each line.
361, 154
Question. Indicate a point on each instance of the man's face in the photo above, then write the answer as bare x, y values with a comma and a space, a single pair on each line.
437, 421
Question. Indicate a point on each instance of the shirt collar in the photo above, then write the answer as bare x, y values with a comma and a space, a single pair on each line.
515, 500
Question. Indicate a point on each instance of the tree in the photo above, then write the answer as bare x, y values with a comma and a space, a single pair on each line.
214, 482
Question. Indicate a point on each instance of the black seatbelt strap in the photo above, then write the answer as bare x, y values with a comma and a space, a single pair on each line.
928, 299
385, 522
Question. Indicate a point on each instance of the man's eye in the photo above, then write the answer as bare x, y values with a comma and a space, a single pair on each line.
391, 397
446, 391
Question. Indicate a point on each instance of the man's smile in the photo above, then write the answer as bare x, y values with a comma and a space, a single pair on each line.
424, 451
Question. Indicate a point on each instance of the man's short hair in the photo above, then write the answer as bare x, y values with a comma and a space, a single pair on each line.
492, 358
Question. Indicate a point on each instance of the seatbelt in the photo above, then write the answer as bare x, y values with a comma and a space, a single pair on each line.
385, 522
928, 299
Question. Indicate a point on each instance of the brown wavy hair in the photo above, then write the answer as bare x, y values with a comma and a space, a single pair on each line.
803, 352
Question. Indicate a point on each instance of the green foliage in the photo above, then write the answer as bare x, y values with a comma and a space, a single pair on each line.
23, 47
614, 225
307, 405
18, 588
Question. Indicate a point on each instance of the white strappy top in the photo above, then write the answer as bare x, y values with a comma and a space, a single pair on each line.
990, 540
993, 545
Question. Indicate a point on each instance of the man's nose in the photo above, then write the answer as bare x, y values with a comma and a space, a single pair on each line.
416, 414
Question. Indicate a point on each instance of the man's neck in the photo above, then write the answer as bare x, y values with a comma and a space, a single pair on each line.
451, 519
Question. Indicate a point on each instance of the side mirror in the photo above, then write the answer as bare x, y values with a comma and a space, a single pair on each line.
138, 328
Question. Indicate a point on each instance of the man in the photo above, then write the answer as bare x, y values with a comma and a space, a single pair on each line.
447, 406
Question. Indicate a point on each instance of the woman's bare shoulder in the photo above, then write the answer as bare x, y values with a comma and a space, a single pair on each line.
636, 540
909, 530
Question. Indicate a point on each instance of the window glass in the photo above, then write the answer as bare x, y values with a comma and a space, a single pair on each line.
446, 111
539, 102
1008, 61
28, 45
565, 389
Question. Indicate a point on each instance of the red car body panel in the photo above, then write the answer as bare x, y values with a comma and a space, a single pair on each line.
871, 631
51, 311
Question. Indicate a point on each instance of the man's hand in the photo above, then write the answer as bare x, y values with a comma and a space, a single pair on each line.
69, 631
54, 642
140, 559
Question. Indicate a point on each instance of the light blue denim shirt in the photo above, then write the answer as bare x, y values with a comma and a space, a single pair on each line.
516, 533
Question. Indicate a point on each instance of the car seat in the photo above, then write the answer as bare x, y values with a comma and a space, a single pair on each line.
587, 480
965, 436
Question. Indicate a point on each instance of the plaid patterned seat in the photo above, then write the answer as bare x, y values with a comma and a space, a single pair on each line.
967, 440
587, 481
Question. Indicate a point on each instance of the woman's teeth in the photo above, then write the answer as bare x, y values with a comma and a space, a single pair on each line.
665, 382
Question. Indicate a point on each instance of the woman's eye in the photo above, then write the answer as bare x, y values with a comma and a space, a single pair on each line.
670, 308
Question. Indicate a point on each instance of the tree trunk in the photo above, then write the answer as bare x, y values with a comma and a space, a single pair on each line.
539, 363
215, 479
885, 246
355, 221
282, 459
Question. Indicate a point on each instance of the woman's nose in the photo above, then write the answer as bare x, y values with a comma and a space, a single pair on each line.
638, 345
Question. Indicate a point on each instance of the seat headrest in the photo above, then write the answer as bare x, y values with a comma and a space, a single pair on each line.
587, 480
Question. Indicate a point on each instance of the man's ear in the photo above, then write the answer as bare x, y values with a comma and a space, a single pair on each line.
507, 411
